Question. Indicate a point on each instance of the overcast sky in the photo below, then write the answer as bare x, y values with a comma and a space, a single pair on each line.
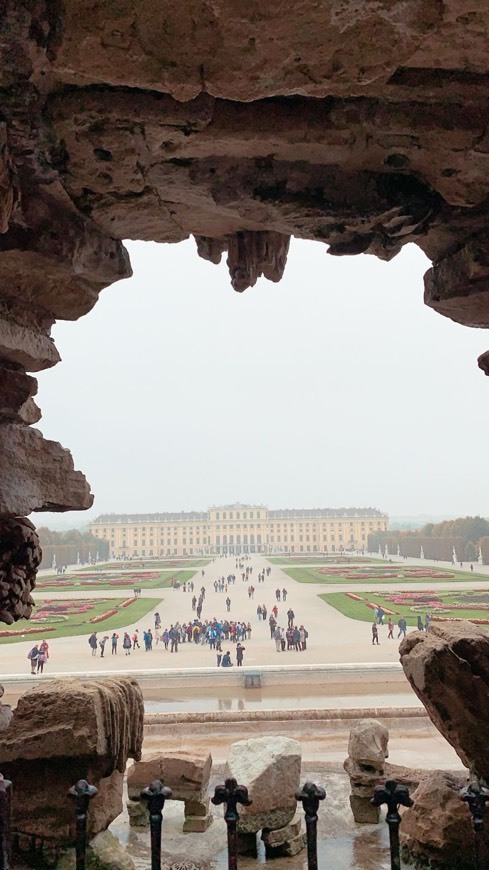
336, 387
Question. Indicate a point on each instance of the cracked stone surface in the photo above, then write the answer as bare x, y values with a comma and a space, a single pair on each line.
361, 126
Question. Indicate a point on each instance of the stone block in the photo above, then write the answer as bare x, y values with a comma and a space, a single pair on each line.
138, 814
270, 769
197, 807
197, 824
368, 743
281, 835
289, 848
62, 731
363, 810
186, 773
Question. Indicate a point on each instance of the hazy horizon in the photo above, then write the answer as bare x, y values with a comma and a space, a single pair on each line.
336, 387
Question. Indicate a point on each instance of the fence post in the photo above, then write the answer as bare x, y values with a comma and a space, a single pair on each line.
394, 796
476, 796
5, 823
155, 796
231, 794
310, 795
82, 793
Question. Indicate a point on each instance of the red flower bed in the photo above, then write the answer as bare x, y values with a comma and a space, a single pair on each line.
103, 616
355, 597
42, 630
127, 602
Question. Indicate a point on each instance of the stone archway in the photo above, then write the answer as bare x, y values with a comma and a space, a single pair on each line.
360, 126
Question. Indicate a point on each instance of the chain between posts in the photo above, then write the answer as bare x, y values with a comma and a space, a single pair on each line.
394, 795
82, 793
155, 796
310, 795
476, 796
231, 794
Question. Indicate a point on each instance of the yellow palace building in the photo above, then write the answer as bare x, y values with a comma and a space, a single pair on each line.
238, 528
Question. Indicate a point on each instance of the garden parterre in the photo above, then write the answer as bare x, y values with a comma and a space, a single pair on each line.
337, 574
113, 580
79, 616
442, 605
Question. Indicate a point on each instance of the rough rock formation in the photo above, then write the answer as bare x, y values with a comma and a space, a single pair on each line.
20, 557
437, 830
63, 731
361, 126
270, 769
448, 669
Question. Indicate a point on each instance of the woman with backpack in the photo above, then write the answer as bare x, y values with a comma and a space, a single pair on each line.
127, 644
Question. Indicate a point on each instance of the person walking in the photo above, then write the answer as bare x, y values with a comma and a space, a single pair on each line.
33, 656
41, 661
228, 603
127, 644
275, 611
277, 594
390, 626
218, 659
92, 640
113, 640
402, 626
284, 594
135, 639
44, 647
420, 624
375, 633
174, 639
290, 617
239, 655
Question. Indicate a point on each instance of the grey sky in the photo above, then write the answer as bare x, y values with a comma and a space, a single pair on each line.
336, 387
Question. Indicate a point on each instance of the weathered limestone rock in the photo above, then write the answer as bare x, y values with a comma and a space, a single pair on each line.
448, 669
186, 773
20, 557
282, 835
36, 474
437, 830
367, 753
16, 388
138, 814
27, 347
63, 731
270, 769
196, 824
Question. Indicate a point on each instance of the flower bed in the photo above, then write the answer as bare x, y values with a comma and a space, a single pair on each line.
352, 595
127, 602
103, 616
24, 631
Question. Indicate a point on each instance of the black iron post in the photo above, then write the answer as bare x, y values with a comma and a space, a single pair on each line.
5, 821
231, 794
310, 795
394, 796
476, 796
155, 795
82, 793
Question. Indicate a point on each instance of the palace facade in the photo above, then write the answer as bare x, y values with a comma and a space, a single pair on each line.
238, 528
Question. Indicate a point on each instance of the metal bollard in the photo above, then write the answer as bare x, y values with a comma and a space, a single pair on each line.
5, 823
310, 795
394, 796
231, 794
82, 793
476, 796
155, 795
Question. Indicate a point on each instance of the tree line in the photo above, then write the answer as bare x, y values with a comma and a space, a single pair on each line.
70, 547
438, 540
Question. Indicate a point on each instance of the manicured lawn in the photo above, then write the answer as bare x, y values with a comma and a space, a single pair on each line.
319, 560
459, 605
78, 623
380, 574
113, 580
148, 564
